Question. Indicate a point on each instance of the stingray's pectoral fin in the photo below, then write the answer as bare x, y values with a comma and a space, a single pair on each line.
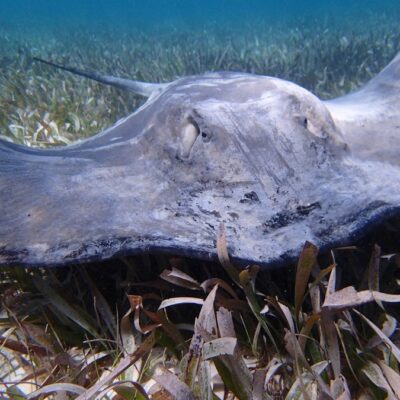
369, 118
145, 89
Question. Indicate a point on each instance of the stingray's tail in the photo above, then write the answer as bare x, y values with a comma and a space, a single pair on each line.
369, 118
145, 89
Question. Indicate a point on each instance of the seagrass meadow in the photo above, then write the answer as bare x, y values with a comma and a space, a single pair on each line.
41, 107
163, 327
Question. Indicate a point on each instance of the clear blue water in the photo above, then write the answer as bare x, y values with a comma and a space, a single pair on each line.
187, 14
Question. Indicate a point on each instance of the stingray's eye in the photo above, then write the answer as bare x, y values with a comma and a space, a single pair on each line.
206, 136
189, 134
315, 127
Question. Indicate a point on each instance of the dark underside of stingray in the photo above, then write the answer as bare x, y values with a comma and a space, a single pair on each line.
262, 157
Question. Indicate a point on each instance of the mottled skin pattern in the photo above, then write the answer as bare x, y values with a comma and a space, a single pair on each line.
263, 156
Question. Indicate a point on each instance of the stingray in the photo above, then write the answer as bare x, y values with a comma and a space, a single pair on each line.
261, 156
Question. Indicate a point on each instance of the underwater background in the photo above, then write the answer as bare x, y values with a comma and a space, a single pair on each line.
185, 14
329, 47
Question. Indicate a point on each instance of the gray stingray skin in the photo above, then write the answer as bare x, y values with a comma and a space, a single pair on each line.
265, 157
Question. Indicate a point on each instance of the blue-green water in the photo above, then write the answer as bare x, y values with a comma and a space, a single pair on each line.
186, 14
